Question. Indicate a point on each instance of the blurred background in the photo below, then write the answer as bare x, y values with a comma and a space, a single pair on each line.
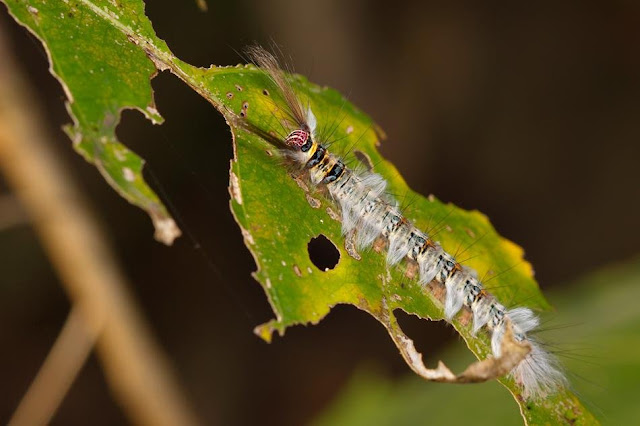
528, 113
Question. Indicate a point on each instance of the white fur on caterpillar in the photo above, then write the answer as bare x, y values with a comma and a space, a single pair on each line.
368, 213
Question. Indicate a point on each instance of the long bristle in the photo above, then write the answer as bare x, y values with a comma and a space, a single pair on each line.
268, 63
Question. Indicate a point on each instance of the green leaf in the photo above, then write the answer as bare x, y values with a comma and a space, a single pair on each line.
104, 52
279, 218
97, 53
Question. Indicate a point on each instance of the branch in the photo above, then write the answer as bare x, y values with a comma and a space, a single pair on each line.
136, 369
60, 368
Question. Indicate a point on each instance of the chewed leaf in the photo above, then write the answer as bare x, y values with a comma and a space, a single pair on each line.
280, 213
102, 72
104, 53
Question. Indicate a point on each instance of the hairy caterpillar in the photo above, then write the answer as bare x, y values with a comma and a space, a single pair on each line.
370, 215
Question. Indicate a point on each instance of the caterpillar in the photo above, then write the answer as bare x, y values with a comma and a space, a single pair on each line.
369, 214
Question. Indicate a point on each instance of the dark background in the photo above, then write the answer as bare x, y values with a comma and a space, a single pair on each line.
527, 113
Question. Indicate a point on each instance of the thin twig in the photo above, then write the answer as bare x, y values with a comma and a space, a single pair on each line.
135, 367
60, 368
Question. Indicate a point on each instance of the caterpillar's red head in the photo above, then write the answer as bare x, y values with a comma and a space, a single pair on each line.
299, 140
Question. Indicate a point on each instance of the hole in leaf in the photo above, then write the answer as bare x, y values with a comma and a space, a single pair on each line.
427, 336
323, 253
